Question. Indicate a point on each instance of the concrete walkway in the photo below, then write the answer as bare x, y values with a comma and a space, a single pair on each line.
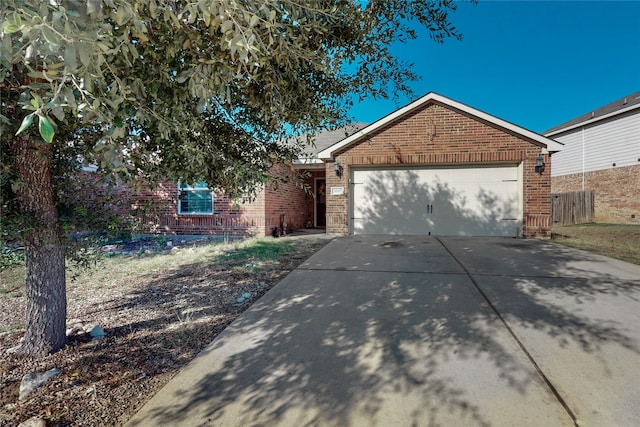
424, 331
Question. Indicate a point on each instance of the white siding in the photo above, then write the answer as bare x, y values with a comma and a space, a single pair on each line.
599, 146
569, 160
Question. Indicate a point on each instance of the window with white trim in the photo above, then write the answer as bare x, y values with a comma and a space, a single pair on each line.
195, 199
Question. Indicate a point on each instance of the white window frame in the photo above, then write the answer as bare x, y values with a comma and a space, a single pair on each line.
187, 188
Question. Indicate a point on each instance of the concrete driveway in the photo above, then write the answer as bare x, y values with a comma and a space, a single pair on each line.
424, 331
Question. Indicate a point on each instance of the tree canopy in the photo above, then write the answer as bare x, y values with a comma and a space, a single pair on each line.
196, 90
150, 83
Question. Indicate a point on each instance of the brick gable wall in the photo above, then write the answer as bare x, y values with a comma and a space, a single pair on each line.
434, 135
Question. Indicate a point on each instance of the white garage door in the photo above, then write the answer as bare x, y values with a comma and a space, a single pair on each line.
478, 201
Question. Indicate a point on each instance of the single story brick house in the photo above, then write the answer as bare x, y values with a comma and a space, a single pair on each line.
602, 153
174, 208
433, 167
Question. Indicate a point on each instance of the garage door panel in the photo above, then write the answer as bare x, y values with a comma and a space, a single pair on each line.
390, 202
447, 201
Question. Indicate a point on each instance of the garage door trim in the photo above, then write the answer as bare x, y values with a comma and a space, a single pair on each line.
513, 208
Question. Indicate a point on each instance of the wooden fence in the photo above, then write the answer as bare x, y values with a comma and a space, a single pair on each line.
575, 207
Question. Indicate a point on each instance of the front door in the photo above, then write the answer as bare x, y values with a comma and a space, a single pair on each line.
321, 203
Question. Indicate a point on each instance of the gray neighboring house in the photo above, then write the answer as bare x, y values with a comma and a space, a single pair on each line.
602, 153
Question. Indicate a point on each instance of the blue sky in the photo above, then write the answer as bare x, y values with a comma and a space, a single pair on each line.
534, 63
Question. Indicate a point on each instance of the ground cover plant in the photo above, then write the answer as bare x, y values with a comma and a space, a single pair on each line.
159, 305
621, 241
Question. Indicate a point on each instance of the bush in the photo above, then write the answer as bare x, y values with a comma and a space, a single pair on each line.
11, 254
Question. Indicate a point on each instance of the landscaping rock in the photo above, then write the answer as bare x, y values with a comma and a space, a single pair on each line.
14, 349
73, 331
33, 422
32, 381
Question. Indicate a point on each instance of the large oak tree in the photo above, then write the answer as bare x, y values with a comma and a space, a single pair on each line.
193, 90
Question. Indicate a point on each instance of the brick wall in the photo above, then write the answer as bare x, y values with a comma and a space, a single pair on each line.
337, 205
434, 135
156, 209
288, 197
616, 190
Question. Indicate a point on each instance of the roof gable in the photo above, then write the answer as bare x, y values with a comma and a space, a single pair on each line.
549, 144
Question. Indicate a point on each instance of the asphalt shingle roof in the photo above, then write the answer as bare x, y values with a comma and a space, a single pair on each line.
326, 139
620, 104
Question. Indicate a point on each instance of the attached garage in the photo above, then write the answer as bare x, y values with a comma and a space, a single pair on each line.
439, 167
444, 201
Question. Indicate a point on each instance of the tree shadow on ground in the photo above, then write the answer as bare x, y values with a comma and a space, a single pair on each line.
359, 342
343, 341
575, 313
568, 294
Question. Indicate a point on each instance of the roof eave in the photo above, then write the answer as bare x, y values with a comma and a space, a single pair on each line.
307, 163
593, 120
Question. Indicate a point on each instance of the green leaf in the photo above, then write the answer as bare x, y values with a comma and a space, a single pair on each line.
26, 122
13, 26
184, 76
58, 112
153, 9
37, 100
121, 16
226, 26
70, 57
6, 52
201, 105
46, 129
10, 27
70, 97
51, 37
84, 50
93, 6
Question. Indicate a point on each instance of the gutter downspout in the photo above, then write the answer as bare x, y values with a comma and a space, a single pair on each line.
583, 155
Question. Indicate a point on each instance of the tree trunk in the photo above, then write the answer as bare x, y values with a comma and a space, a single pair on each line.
46, 310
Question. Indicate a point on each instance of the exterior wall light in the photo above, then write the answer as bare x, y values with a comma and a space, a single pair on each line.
337, 168
539, 164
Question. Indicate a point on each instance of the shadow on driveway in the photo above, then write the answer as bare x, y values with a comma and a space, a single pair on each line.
403, 331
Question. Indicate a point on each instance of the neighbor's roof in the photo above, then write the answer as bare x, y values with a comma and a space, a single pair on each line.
324, 140
620, 106
550, 144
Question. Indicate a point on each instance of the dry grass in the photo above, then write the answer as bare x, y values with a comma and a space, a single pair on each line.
158, 309
621, 241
